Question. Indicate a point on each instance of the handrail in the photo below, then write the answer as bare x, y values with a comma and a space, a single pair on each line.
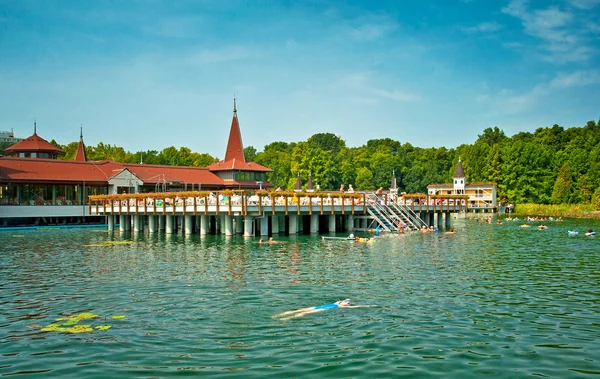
414, 219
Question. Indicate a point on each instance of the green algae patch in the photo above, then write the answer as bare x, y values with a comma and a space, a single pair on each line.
71, 324
51, 328
85, 316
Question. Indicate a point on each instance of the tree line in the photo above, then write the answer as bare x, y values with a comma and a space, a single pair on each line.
552, 165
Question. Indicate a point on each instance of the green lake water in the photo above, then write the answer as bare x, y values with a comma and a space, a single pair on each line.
489, 301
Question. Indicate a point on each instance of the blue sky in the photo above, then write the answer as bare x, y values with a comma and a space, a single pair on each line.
150, 74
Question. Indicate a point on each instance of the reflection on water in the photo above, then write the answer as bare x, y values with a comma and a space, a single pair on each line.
490, 300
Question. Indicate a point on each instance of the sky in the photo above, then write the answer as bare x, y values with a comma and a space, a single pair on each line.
150, 74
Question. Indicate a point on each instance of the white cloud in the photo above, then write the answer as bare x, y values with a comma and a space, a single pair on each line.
484, 27
576, 79
514, 103
369, 27
585, 4
562, 42
368, 93
229, 53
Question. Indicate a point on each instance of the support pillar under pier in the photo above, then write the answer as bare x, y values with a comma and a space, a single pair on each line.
188, 224
274, 224
314, 224
152, 224
331, 223
264, 226
169, 224
248, 222
228, 226
203, 225
293, 224
350, 223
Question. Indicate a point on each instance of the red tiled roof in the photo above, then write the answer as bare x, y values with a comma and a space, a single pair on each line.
99, 172
235, 148
234, 156
52, 170
235, 164
33, 143
81, 156
152, 174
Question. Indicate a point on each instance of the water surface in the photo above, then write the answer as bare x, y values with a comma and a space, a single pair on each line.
489, 301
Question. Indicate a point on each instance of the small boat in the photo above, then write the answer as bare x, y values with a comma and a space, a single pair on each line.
525, 226
590, 234
573, 232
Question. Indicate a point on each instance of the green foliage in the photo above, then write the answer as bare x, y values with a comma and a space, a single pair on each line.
552, 165
250, 153
562, 186
364, 179
596, 200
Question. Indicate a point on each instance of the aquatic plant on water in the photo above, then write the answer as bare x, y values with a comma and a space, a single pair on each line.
71, 324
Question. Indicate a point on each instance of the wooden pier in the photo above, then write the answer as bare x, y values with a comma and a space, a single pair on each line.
264, 213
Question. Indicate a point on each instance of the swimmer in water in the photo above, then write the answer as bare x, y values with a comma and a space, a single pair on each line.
306, 311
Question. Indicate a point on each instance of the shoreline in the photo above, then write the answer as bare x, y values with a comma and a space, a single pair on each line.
561, 210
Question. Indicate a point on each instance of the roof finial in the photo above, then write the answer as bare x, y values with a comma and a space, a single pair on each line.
34, 126
234, 108
81, 132
141, 155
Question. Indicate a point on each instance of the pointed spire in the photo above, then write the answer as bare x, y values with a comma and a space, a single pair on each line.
309, 187
460, 172
34, 126
394, 184
235, 148
141, 157
81, 155
298, 183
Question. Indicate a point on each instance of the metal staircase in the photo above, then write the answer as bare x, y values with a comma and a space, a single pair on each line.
391, 216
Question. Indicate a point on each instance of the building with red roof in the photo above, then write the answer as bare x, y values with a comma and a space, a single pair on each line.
31, 175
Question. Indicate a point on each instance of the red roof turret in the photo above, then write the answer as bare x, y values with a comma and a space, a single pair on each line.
81, 156
234, 156
34, 144
235, 149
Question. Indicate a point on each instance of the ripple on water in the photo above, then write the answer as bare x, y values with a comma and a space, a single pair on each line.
490, 300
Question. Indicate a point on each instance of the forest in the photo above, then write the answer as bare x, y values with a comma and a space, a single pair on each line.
552, 165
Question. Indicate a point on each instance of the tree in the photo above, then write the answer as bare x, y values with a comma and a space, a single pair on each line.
493, 168
250, 153
327, 141
562, 186
492, 136
364, 179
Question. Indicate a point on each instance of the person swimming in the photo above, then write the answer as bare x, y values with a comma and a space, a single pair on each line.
320, 308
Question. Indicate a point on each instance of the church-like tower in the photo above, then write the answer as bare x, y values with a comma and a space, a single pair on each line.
459, 179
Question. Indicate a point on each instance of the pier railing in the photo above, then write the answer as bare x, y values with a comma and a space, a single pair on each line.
236, 202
